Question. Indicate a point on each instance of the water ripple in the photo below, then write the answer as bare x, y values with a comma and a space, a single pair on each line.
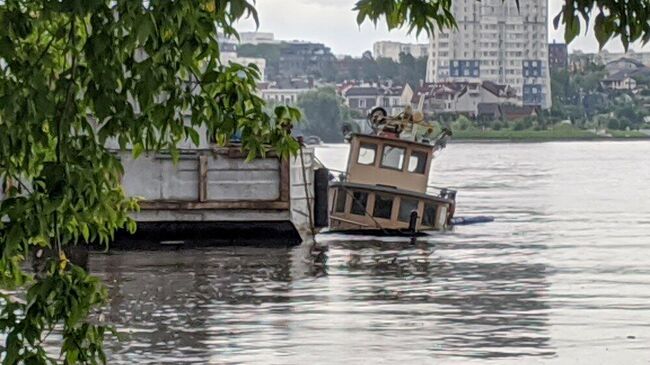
559, 277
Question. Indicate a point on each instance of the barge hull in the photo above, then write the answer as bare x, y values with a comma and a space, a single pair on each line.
192, 234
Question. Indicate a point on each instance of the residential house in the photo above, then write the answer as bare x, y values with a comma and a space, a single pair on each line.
495, 111
395, 98
285, 91
432, 98
461, 97
364, 98
488, 111
578, 60
605, 57
514, 112
619, 81
623, 64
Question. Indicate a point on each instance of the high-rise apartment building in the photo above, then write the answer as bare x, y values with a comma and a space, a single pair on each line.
558, 56
498, 42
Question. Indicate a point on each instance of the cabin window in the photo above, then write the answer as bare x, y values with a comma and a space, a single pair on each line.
393, 157
383, 206
429, 216
417, 162
340, 200
367, 153
406, 206
359, 203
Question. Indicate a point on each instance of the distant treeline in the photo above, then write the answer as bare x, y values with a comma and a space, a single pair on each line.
281, 64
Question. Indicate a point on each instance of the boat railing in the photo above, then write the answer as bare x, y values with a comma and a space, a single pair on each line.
444, 193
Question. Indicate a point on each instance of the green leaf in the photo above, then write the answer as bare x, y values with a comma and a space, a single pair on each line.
572, 28
145, 29
137, 150
601, 30
194, 135
210, 77
85, 232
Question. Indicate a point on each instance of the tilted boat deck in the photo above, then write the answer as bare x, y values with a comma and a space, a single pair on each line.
384, 187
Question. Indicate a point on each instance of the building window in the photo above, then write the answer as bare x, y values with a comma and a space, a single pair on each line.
383, 206
367, 153
406, 206
417, 162
393, 157
359, 201
429, 216
340, 200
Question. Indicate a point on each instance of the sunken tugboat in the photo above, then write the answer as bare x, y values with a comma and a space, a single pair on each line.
384, 189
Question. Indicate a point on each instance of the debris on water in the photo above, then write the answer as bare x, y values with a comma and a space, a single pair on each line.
457, 221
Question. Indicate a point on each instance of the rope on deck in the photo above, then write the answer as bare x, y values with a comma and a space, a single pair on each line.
354, 200
351, 194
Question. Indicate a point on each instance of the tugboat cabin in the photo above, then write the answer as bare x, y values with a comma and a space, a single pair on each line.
385, 187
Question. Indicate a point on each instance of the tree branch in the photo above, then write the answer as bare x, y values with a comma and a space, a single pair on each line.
64, 115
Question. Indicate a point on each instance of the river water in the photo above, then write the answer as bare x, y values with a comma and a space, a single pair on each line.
562, 276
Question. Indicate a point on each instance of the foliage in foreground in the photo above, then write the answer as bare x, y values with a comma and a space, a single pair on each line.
627, 21
75, 74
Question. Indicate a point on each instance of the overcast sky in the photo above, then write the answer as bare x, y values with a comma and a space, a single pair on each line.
334, 23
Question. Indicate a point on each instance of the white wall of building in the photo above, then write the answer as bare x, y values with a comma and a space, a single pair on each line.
388, 49
500, 39
282, 96
256, 37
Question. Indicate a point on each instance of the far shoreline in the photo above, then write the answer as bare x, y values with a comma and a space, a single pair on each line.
541, 140
522, 140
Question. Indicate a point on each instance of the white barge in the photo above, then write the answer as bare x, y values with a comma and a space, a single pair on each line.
214, 196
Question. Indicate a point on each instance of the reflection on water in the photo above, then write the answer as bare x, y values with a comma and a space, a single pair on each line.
189, 306
560, 276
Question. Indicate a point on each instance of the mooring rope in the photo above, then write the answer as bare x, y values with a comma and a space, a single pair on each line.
351, 194
354, 200
304, 183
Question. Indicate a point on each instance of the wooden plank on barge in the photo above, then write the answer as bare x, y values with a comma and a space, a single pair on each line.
210, 205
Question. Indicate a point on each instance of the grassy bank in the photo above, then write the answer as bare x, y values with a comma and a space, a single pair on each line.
558, 132
627, 134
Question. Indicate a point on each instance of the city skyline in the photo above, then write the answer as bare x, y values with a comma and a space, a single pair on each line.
333, 23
